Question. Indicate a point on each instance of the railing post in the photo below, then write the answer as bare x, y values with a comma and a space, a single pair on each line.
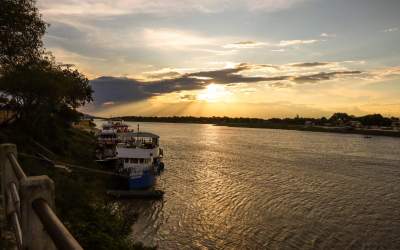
34, 234
7, 175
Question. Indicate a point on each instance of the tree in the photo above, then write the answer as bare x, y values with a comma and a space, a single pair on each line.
339, 117
33, 86
21, 32
375, 120
42, 90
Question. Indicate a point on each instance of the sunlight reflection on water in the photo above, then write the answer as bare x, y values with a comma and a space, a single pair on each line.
240, 188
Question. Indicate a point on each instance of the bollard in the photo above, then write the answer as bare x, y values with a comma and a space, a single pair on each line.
34, 235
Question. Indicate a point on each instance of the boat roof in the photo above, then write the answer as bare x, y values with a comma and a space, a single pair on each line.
107, 132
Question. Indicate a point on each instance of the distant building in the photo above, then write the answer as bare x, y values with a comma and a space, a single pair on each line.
355, 124
339, 122
396, 125
309, 123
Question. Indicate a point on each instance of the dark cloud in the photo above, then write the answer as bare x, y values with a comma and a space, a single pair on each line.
109, 89
232, 75
310, 64
322, 76
121, 90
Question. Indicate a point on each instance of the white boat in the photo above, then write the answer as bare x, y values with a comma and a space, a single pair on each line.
140, 158
117, 125
113, 132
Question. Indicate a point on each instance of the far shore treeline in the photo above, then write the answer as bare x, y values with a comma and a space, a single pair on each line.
337, 119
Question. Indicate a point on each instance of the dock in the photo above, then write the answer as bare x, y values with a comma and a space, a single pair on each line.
136, 194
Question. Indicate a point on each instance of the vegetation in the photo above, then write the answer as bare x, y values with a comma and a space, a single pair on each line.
337, 123
97, 221
40, 93
21, 31
335, 119
42, 96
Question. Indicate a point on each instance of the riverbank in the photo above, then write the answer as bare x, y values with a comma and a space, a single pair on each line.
342, 130
261, 123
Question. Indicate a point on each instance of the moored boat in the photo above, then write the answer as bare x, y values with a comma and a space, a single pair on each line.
140, 159
112, 133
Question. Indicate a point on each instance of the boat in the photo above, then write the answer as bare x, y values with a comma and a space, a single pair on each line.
140, 159
106, 145
117, 125
113, 132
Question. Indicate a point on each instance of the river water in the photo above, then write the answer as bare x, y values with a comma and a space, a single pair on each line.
246, 188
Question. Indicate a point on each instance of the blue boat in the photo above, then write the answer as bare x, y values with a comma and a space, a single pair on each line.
140, 159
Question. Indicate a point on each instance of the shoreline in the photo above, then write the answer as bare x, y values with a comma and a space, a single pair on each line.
339, 130
369, 132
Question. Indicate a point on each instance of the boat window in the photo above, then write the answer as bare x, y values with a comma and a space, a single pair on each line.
126, 160
141, 160
135, 161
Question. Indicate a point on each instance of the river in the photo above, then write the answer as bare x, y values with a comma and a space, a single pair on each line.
245, 188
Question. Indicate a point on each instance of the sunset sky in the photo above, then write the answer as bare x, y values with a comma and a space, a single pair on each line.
249, 58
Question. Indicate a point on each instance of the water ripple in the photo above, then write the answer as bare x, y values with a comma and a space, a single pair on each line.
238, 188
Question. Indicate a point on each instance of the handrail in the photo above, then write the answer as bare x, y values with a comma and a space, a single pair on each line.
28, 206
18, 230
17, 168
60, 235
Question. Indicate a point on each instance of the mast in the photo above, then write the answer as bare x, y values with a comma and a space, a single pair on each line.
137, 133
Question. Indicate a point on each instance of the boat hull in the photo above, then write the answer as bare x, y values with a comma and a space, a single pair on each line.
145, 181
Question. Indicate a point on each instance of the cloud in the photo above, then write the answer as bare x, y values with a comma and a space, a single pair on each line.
280, 85
109, 89
123, 90
108, 103
391, 29
176, 39
278, 50
327, 35
285, 43
249, 44
188, 97
310, 64
272, 5
245, 45
156, 7
384, 73
323, 76
162, 74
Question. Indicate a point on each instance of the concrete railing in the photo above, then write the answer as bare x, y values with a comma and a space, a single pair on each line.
29, 206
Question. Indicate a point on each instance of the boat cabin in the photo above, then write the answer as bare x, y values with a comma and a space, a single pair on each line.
143, 140
108, 137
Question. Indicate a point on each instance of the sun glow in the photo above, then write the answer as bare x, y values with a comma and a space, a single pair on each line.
214, 93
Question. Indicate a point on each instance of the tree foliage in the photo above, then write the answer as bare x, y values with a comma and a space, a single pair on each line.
39, 91
21, 32
44, 94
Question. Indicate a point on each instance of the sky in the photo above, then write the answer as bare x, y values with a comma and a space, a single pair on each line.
240, 58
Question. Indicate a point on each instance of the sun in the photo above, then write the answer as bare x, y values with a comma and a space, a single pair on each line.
213, 93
